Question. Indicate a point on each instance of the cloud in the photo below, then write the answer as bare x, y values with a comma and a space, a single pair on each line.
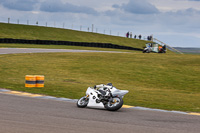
180, 21
189, 11
138, 7
115, 6
58, 6
20, 5
168, 20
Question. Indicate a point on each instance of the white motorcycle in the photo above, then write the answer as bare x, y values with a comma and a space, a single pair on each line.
103, 96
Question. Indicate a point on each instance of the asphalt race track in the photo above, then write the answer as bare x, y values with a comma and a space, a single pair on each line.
31, 115
38, 50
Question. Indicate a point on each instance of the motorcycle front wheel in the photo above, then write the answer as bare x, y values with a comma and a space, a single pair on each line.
115, 104
82, 102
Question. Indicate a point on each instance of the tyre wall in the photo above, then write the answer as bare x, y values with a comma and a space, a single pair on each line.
53, 42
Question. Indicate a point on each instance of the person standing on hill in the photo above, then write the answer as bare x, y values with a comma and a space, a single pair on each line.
130, 34
127, 34
140, 36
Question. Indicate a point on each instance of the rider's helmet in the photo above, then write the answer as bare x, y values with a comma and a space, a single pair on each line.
109, 84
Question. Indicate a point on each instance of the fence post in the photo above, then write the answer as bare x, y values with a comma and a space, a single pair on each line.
63, 25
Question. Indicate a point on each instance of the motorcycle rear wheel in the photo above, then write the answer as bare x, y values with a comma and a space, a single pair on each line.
115, 104
82, 102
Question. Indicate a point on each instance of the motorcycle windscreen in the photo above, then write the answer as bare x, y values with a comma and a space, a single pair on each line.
120, 93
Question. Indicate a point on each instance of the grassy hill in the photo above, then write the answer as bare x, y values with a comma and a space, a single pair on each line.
47, 33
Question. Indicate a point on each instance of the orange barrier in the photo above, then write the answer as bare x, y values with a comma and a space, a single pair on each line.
39, 80
30, 81
34, 81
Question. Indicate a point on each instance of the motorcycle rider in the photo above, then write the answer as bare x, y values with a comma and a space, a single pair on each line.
103, 89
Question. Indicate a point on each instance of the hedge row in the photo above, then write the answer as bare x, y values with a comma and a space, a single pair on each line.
52, 42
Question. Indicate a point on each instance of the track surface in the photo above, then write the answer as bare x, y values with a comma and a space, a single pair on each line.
38, 50
30, 115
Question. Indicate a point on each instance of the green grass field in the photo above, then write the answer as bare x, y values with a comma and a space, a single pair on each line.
46, 33
154, 80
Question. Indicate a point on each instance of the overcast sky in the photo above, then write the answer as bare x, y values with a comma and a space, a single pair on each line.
175, 22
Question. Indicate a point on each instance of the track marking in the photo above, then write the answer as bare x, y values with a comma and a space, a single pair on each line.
194, 114
12, 92
36, 95
25, 94
22, 93
127, 106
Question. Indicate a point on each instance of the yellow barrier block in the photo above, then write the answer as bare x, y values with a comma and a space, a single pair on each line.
34, 81
30, 81
39, 80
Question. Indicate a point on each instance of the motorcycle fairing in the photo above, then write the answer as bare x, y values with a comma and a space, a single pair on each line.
92, 99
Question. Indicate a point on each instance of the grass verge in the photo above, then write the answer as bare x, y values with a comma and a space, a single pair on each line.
167, 81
